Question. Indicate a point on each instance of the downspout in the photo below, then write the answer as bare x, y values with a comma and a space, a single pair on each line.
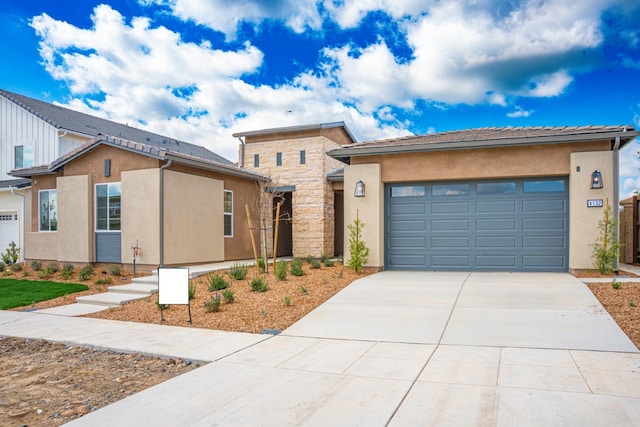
22, 223
241, 156
616, 190
162, 168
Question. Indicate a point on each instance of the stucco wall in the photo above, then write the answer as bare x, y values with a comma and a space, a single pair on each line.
141, 215
540, 160
193, 219
75, 218
41, 246
370, 210
583, 221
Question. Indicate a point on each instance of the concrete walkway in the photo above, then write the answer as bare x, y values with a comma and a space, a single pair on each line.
395, 348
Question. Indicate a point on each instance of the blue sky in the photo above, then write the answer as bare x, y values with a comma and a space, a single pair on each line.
200, 70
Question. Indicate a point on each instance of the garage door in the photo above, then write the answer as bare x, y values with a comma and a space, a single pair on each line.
506, 225
8, 229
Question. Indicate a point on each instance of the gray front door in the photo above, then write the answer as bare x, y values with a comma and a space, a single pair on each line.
498, 225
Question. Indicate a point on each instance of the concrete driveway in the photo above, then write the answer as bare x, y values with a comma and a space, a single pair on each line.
401, 349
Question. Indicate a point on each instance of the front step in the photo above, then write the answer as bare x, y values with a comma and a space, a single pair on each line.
135, 288
110, 299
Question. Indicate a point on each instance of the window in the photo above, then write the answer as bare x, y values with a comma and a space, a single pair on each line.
48, 210
256, 160
407, 191
108, 197
496, 188
278, 159
450, 189
544, 186
303, 157
23, 156
228, 213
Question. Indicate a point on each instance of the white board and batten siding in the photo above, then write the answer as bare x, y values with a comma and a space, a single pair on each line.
20, 127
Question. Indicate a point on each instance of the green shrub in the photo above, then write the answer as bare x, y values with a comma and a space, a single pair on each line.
328, 262
616, 285
310, 258
315, 264
261, 264
114, 270
287, 301
259, 284
103, 281
12, 254
212, 305
2, 266
36, 265
607, 246
303, 290
358, 251
192, 291
216, 282
52, 267
281, 270
16, 267
85, 272
161, 307
632, 303
67, 271
296, 267
229, 296
238, 271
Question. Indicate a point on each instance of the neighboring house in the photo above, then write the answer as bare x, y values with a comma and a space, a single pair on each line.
491, 199
301, 174
98, 202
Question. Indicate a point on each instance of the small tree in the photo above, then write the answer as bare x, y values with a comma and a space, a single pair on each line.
358, 251
11, 255
607, 246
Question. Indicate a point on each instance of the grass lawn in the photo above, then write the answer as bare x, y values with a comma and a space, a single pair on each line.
16, 293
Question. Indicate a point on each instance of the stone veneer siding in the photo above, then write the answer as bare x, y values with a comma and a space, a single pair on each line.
313, 201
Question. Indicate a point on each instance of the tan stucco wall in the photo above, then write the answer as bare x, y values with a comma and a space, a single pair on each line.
41, 246
370, 210
583, 221
193, 219
75, 218
540, 160
141, 215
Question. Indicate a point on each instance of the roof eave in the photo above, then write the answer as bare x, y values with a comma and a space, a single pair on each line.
298, 128
237, 172
347, 152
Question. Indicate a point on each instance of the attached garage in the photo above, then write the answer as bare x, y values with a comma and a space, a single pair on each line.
497, 225
9, 229
489, 199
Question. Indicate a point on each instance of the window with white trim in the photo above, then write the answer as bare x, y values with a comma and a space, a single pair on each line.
108, 209
23, 156
48, 210
228, 213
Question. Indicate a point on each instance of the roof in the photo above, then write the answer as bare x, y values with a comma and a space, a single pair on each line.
487, 138
289, 129
146, 150
336, 175
69, 120
15, 183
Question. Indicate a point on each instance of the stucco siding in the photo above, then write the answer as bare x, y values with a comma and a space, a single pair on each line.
141, 215
193, 219
41, 246
583, 221
75, 218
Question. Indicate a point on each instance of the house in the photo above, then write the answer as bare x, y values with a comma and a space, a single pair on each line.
99, 197
490, 199
302, 175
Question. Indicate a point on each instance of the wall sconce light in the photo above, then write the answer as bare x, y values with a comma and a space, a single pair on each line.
359, 191
596, 180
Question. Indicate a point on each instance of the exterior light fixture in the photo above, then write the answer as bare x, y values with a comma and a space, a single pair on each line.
359, 191
596, 180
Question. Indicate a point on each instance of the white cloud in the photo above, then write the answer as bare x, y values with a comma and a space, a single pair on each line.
224, 15
518, 113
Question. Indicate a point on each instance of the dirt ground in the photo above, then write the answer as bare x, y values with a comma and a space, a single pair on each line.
47, 384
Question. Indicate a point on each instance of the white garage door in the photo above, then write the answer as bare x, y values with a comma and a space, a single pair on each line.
8, 229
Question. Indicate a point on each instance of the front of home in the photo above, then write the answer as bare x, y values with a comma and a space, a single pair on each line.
111, 197
494, 199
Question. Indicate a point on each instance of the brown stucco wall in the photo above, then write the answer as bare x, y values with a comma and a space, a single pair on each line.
92, 163
539, 160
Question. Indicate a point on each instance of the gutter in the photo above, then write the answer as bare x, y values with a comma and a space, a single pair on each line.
21, 223
616, 191
162, 168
